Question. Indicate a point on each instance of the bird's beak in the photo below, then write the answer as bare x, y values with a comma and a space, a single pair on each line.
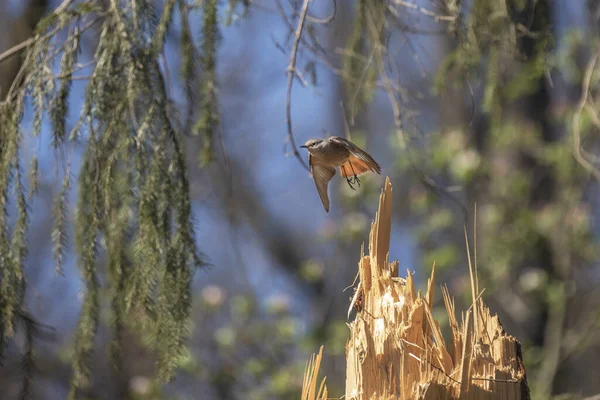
304, 147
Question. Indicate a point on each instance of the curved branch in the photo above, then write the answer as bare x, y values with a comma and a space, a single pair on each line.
324, 21
436, 17
585, 88
291, 69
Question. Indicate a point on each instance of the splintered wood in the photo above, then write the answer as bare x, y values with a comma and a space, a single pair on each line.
309, 385
396, 348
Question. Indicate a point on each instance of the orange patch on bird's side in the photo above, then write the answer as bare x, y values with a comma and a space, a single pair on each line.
354, 166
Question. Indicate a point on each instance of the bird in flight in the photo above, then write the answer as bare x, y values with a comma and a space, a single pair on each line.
324, 155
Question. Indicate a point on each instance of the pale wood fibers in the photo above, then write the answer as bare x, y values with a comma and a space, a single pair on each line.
396, 348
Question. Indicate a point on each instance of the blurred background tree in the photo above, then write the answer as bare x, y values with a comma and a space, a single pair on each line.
137, 133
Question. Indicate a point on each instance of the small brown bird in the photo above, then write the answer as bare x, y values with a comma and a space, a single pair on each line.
324, 155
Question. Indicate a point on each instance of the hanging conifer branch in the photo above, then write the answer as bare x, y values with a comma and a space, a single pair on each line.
208, 120
189, 64
133, 187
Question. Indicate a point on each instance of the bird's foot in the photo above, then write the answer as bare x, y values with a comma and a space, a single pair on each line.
350, 182
353, 180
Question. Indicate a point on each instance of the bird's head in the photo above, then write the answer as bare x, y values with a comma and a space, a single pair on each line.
311, 143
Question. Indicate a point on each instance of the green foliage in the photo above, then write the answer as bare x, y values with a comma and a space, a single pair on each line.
33, 177
59, 107
160, 36
359, 68
41, 83
533, 225
133, 188
241, 362
232, 7
12, 242
208, 123
28, 364
59, 234
189, 61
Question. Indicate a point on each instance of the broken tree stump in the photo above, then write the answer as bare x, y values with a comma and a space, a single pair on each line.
396, 349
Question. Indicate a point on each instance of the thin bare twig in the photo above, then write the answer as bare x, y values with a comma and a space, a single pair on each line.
76, 68
291, 73
15, 49
424, 11
472, 97
321, 58
346, 125
415, 54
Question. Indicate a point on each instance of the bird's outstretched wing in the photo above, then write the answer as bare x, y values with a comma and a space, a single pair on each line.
359, 161
322, 175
